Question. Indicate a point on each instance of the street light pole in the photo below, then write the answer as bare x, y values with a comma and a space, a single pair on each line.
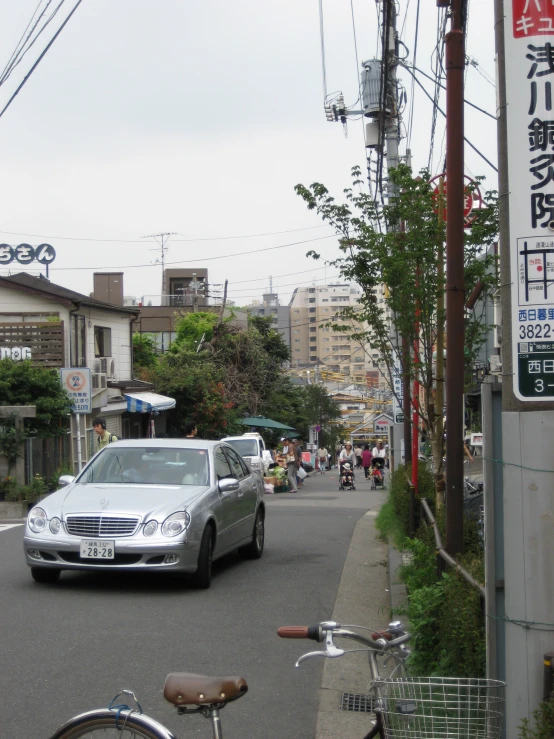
455, 291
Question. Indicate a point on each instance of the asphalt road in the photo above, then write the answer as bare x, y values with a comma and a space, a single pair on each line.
71, 647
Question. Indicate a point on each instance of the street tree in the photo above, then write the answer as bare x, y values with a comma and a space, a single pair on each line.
399, 246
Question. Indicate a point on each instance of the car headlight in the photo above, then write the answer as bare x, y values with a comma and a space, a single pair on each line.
55, 525
37, 520
150, 528
176, 523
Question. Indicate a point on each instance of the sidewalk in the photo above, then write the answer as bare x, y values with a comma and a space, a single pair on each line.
367, 591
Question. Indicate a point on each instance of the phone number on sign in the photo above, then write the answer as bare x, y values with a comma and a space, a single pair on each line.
535, 331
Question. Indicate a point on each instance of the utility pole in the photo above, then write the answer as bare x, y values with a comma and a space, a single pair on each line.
161, 240
455, 291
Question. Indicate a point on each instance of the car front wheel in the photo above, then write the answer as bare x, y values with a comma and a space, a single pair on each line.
255, 549
202, 578
41, 574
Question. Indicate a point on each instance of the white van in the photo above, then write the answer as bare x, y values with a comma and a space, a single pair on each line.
251, 447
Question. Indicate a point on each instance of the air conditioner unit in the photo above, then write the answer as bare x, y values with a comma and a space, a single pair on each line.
107, 366
96, 366
99, 382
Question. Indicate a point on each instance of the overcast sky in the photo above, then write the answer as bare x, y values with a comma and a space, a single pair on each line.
199, 118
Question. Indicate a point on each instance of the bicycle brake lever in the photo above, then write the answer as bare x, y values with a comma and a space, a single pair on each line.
331, 651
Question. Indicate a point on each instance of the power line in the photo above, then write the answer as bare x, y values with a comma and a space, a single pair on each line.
35, 65
202, 259
322, 40
21, 43
467, 102
444, 114
412, 93
140, 241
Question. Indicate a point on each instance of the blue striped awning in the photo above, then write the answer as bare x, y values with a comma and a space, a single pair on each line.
148, 402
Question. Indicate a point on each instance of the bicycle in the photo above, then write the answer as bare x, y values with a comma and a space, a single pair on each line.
406, 707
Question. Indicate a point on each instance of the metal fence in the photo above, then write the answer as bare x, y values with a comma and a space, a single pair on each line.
46, 456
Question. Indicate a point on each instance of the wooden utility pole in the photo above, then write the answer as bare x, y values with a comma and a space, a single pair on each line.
439, 393
455, 291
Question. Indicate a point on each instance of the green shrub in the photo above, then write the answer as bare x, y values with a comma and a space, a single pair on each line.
543, 721
393, 520
445, 615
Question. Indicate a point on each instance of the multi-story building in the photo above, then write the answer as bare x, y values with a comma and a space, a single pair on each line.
55, 327
315, 344
270, 306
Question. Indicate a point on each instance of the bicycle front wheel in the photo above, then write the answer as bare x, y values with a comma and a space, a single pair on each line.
104, 724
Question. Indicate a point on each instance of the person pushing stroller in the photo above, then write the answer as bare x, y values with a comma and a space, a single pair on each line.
347, 462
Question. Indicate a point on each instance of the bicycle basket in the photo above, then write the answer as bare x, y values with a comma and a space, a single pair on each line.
442, 708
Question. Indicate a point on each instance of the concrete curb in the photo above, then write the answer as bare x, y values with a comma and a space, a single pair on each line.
362, 598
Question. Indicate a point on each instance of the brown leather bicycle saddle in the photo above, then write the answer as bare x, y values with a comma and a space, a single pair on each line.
186, 688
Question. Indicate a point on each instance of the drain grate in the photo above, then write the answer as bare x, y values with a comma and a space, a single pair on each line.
358, 702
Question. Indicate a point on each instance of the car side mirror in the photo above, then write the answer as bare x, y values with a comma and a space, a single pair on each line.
228, 485
65, 480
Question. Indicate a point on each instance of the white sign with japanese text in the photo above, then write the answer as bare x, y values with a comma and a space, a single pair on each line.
76, 381
529, 38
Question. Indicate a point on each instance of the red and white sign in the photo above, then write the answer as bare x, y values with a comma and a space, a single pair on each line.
532, 18
472, 199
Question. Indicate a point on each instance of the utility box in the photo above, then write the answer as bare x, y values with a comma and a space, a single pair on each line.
372, 134
371, 87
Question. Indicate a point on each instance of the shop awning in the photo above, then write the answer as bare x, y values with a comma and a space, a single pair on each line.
148, 402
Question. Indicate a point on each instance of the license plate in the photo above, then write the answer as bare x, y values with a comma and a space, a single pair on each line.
97, 549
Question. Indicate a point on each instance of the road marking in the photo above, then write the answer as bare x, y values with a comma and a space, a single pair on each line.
5, 527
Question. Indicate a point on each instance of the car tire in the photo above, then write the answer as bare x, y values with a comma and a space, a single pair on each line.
202, 578
42, 574
255, 549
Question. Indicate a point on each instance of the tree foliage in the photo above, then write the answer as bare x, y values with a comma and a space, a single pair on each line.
399, 245
144, 351
235, 372
21, 383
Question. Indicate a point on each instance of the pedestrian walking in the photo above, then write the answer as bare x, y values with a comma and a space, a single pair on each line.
289, 453
367, 456
358, 453
322, 455
104, 436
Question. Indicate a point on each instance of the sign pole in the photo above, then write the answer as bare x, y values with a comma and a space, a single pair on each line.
79, 457
524, 43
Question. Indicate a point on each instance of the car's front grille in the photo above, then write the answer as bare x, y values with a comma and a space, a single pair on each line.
101, 526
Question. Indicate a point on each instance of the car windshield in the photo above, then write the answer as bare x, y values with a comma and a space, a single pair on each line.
148, 466
245, 447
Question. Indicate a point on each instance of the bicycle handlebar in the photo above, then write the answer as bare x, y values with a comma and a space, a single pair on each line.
380, 640
300, 632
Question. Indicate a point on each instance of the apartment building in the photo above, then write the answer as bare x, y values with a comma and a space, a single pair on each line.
270, 306
315, 344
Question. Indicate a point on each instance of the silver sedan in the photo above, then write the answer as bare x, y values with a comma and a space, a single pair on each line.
149, 504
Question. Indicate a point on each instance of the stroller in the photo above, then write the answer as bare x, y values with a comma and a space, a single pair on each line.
377, 473
346, 476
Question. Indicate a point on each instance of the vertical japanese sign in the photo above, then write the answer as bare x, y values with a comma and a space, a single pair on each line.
398, 395
529, 38
76, 382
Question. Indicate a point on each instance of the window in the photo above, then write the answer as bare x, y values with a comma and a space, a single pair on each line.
311, 310
325, 300
313, 358
313, 329
78, 341
297, 341
222, 469
311, 289
311, 300
296, 349
313, 338
326, 338
236, 464
102, 341
312, 320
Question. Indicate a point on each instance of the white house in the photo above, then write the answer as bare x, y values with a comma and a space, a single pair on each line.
57, 327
